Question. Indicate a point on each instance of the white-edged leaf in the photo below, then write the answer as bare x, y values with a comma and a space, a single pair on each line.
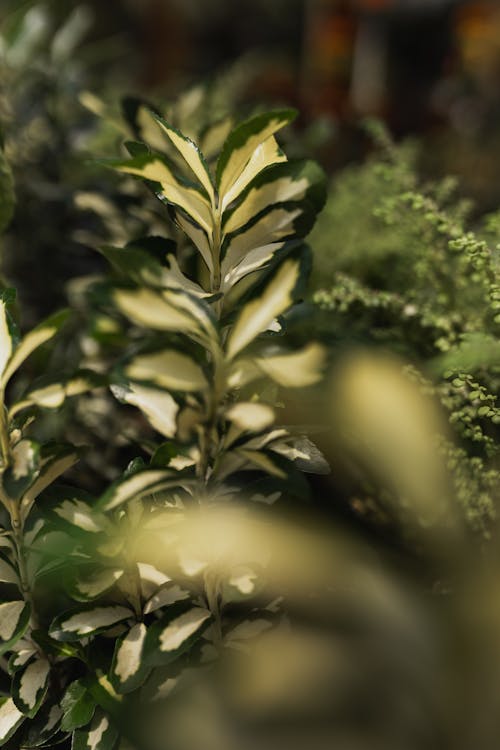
168, 368
35, 338
29, 686
153, 168
11, 719
259, 313
24, 468
128, 670
14, 619
191, 155
99, 735
137, 485
87, 621
158, 406
295, 369
242, 143
6, 341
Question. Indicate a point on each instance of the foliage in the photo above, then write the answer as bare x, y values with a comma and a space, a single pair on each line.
409, 273
202, 349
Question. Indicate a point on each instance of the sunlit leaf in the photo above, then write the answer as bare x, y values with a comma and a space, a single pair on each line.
86, 621
29, 686
295, 369
168, 368
170, 636
10, 719
242, 143
14, 619
257, 315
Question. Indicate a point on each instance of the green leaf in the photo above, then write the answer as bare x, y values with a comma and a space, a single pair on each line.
158, 406
128, 671
99, 735
242, 144
7, 196
14, 620
258, 314
29, 686
23, 470
175, 632
87, 621
295, 369
191, 155
35, 338
155, 168
168, 368
10, 719
140, 484
43, 728
78, 706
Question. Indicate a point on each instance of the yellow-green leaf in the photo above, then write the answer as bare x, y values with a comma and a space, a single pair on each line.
258, 314
168, 369
295, 369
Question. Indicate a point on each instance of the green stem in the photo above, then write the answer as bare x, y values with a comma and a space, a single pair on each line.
4, 434
18, 533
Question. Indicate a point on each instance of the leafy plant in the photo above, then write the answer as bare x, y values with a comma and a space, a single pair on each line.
203, 350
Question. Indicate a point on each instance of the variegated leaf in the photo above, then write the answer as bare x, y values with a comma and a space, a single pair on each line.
44, 728
266, 154
29, 686
77, 513
23, 469
198, 237
158, 406
87, 621
52, 394
14, 619
255, 260
137, 485
170, 636
154, 168
304, 454
8, 573
128, 671
191, 155
10, 719
168, 368
295, 369
279, 223
55, 459
250, 416
24, 650
242, 143
212, 140
169, 593
88, 587
151, 309
35, 338
281, 183
259, 313
78, 706
99, 735
6, 339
